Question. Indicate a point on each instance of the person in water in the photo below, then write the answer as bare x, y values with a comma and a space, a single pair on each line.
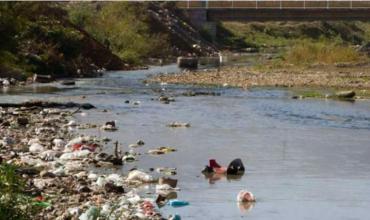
236, 167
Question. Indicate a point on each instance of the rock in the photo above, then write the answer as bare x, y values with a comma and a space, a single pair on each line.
166, 99
161, 150
44, 130
36, 148
169, 181
33, 140
42, 78
163, 98
128, 158
5, 124
7, 141
345, 94
174, 217
91, 214
133, 146
163, 189
74, 211
116, 161
22, 121
75, 155
72, 123
178, 124
84, 189
365, 48
59, 144
101, 181
104, 164
59, 171
47, 174
109, 126
112, 188
42, 183
28, 170
87, 106
68, 82
5, 83
140, 142
166, 170
115, 178
199, 93
187, 62
46, 104
49, 155
92, 176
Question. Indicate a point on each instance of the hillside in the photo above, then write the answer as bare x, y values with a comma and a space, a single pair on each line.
75, 39
38, 38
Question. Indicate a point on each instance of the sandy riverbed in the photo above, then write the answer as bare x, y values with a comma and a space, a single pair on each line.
245, 77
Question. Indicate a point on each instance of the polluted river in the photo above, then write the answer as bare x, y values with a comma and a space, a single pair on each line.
304, 159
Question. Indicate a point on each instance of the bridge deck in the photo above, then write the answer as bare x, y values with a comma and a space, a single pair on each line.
274, 4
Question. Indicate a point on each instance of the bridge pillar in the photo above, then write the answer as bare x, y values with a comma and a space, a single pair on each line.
199, 19
211, 29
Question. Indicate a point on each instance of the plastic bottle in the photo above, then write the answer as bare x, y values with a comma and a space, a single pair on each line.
177, 203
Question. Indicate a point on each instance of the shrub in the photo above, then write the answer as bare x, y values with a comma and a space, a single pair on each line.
14, 204
123, 27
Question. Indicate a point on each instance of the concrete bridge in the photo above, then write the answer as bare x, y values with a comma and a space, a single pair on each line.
275, 10
204, 14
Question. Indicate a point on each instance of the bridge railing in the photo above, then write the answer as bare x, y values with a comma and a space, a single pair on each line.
274, 4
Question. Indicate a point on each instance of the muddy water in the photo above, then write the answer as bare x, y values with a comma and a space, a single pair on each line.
305, 159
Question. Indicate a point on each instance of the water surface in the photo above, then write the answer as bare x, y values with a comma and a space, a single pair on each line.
305, 159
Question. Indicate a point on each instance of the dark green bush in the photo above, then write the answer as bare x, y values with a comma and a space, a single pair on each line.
14, 204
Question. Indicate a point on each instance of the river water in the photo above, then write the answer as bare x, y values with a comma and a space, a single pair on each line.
305, 159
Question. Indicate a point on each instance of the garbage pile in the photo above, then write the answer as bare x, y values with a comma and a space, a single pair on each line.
61, 168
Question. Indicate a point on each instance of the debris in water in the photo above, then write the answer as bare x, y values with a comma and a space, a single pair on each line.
178, 125
161, 150
177, 203
245, 196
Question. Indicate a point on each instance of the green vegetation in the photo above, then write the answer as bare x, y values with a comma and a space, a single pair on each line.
281, 34
299, 44
74, 39
123, 27
307, 52
14, 204
311, 94
35, 39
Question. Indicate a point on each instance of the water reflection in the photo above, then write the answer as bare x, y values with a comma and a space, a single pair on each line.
163, 198
245, 207
214, 177
5, 89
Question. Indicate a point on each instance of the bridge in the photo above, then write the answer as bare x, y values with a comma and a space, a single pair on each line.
203, 13
276, 10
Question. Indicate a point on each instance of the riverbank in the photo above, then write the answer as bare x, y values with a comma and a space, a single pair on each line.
330, 77
65, 40
67, 174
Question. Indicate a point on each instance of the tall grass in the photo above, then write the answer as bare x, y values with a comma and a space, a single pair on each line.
307, 52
